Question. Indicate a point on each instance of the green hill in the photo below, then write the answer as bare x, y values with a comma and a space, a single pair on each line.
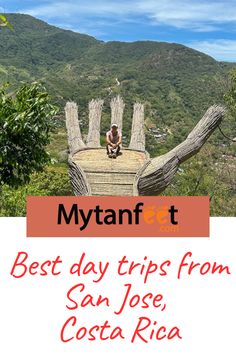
168, 76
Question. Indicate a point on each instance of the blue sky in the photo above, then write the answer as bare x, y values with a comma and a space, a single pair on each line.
208, 26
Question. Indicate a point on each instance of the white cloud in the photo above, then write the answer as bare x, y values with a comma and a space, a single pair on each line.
81, 8
90, 29
195, 15
204, 16
93, 18
220, 49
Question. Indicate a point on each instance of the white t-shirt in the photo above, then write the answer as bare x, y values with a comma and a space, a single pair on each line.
114, 138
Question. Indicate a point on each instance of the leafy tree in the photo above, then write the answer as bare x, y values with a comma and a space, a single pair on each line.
230, 96
53, 180
4, 22
230, 100
25, 124
201, 175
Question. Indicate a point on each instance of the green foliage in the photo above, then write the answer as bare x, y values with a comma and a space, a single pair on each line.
58, 147
202, 175
25, 124
53, 181
35, 45
4, 23
229, 125
230, 96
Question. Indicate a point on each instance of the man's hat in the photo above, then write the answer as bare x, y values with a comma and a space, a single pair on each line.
114, 125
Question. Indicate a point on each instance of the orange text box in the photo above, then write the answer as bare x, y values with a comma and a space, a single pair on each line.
118, 216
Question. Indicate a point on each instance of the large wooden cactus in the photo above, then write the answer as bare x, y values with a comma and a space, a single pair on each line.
132, 173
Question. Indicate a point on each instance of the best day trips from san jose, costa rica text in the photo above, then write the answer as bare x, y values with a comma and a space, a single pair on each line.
78, 296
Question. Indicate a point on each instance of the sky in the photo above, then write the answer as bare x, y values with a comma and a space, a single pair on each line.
208, 26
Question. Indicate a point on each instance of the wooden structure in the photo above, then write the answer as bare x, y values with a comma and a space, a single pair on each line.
117, 110
132, 173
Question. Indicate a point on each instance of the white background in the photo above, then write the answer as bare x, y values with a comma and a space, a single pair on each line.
33, 309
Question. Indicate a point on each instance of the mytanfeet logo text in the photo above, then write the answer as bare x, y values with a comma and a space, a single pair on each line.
117, 216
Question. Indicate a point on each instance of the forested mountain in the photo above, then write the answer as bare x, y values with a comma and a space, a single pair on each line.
176, 83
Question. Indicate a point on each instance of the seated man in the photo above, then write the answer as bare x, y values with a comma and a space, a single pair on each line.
114, 140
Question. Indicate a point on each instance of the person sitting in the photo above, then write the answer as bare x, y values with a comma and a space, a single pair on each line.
114, 140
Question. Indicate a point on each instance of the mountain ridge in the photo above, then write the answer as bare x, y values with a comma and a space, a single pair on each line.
36, 22
176, 83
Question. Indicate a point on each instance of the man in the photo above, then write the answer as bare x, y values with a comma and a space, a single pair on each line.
114, 140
